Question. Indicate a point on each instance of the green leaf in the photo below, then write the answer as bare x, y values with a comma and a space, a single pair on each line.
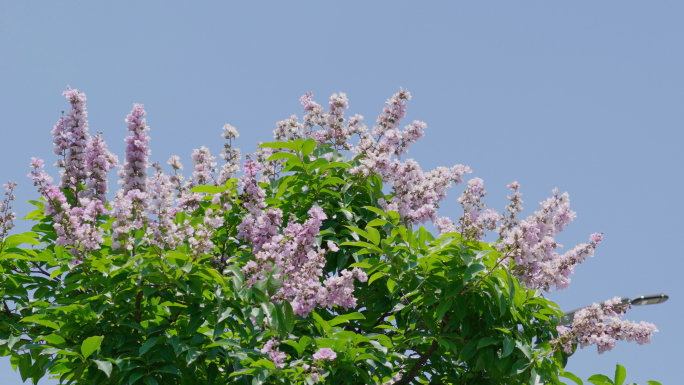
333, 180
472, 271
90, 345
488, 341
469, 350
373, 235
207, 189
376, 222
192, 356
600, 379
39, 319
287, 145
620, 374
168, 369
525, 348
308, 146
266, 364
53, 339
319, 320
377, 211
508, 346
340, 319
442, 308
104, 366
520, 366
653, 383
147, 345
572, 377
283, 155
289, 317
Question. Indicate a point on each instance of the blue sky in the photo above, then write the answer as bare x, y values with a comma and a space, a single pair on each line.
584, 96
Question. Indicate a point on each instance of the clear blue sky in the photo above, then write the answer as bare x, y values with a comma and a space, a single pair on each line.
585, 96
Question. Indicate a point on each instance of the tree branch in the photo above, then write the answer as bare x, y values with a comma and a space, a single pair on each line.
418, 364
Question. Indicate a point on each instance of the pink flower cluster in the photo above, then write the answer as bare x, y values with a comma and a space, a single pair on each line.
257, 226
203, 164
293, 258
476, 219
70, 137
531, 244
230, 155
99, 161
324, 354
602, 326
7, 217
274, 354
416, 193
133, 173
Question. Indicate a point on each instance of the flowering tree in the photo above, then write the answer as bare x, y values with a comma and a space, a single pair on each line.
311, 266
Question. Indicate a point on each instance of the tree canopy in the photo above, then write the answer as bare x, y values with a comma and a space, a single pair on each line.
310, 266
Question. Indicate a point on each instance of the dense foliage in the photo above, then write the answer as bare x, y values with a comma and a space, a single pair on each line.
312, 266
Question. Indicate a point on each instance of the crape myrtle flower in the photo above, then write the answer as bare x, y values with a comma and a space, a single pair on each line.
133, 172
71, 138
274, 353
289, 129
324, 354
417, 194
177, 178
476, 219
162, 230
203, 164
7, 217
38, 175
230, 155
294, 258
99, 161
602, 326
531, 243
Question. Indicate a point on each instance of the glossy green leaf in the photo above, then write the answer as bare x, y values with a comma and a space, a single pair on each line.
620, 374
90, 345
308, 146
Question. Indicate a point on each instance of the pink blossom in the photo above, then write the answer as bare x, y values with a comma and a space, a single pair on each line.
324, 354
602, 326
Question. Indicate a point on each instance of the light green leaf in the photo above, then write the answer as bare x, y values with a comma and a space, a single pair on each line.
377, 222
308, 146
264, 364
377, 211
53, 339
90, 345
207, 189
620, 374
287, 145
653, 383
319, 320
104, 366
283, 155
